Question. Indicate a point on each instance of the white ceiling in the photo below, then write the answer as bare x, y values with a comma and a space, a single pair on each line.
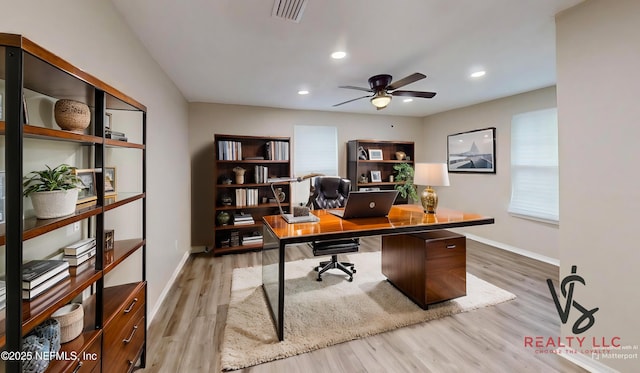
235, 52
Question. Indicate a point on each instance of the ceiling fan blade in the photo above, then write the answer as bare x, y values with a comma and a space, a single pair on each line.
358, 88
414, 94
346, 102
406, 80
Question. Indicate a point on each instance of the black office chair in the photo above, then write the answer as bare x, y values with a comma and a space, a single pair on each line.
332, 192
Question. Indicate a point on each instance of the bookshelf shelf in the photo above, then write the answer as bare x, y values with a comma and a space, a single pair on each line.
34, 79
245, 151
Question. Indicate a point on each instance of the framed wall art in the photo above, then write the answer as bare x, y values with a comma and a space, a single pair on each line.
472, 151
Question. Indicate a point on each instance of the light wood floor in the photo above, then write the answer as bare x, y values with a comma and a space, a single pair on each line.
186, 334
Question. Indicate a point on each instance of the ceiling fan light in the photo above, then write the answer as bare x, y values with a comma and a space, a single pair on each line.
381, 100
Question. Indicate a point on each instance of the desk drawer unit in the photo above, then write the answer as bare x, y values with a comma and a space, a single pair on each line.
124, 335
427, 267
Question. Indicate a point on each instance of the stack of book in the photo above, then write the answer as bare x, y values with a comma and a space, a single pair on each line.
247, 197
79, 252
41, 275
243, 219
234, 239
252, 239
115, 135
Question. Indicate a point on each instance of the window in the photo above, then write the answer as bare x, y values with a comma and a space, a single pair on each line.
315, 150
534, 165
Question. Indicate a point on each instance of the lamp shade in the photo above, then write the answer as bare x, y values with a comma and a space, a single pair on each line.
381, 100
431, 174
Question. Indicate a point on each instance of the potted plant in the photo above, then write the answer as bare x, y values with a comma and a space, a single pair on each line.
404, 178
53, 192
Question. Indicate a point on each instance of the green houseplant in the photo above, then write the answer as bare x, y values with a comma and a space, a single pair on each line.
404, 178
53, 192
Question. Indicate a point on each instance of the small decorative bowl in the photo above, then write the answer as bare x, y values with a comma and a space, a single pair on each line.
71, 319
72, 115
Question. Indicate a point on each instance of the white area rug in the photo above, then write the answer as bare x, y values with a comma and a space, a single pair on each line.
321, 314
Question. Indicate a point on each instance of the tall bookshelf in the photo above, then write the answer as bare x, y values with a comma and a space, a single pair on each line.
249, 199
114, 299
358, 167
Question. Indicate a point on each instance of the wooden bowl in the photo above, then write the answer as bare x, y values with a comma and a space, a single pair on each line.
72, 115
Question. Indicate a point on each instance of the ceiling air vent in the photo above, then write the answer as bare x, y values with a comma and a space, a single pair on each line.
289, 9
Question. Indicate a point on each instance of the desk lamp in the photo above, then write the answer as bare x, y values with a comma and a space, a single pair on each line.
290, 218
430, 175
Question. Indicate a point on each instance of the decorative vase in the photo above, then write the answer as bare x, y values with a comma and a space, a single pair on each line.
363, 179
72, 115
280, 195
239, 171
223, 218
400, 155
54, 204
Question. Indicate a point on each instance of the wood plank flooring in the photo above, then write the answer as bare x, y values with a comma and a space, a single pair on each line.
186, 334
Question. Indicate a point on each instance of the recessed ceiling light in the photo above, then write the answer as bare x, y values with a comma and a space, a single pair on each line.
478, 74
407, 100
303, 92
338, 55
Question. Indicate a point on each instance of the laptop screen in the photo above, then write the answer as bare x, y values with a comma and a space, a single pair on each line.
367, 204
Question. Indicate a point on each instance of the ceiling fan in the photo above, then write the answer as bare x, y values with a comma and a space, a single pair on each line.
382, 89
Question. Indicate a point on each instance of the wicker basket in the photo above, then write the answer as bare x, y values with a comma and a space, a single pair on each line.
71, 319
72, 115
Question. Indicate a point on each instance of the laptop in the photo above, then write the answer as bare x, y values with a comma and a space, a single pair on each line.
367, 204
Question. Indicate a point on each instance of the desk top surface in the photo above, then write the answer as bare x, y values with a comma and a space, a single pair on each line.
401, 219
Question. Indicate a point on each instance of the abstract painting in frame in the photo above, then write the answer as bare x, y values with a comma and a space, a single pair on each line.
472, 151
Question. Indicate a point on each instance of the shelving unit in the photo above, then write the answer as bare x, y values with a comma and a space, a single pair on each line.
28, 72
262, 158
357, 167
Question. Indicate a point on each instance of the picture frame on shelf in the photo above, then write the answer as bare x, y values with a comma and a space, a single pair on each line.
110, 182
376, 177
375, 155
472, 151
87, 195
107, 121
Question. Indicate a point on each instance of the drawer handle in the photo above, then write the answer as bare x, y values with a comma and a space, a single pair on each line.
135, 328
451, 246
135, 300
78, 367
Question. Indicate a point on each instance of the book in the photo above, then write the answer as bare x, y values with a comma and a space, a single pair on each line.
36, 272
77, 260
79, 247
88, 264
28, 294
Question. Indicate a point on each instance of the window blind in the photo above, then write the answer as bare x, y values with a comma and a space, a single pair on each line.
534, 165
315, 150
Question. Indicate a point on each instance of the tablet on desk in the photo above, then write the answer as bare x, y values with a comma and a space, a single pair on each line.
367, 204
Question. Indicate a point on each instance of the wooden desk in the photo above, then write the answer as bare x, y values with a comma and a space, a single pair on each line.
401, 219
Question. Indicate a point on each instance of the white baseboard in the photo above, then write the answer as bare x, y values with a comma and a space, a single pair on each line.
168, 286
513, 249
585, 362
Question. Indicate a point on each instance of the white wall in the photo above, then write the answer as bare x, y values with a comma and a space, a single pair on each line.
489, 194
598, 89
92, 36
209, 119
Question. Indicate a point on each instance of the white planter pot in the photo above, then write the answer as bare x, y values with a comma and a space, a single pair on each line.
54, 204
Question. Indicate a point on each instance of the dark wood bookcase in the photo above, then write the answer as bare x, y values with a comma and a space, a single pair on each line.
28, 69
357, 167
262, 158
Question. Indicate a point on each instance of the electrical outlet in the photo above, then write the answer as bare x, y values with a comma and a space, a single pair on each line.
175, 244
76, 226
